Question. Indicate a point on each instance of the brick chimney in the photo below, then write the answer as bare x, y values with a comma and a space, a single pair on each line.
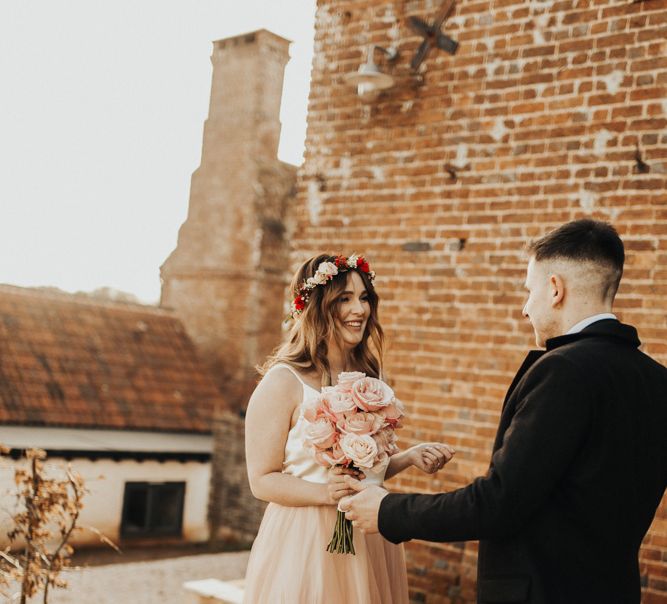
227, 275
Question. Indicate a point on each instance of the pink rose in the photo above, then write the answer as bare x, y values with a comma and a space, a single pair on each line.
332, 457
337, 452
361, 423
360, 448
321, 433
371, 394
381, 459
328, 269
318, 408
393, 413
346, 380
338, 403
386, 441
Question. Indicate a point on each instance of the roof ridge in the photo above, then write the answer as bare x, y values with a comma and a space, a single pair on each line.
83, 298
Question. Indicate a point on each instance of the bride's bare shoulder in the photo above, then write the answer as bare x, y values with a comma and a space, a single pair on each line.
279, 387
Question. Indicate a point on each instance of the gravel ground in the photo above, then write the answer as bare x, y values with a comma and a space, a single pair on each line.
152, 582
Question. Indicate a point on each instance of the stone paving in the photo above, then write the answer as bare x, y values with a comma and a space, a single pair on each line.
153, 582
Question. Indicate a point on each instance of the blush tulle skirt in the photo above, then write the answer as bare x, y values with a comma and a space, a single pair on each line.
289, 563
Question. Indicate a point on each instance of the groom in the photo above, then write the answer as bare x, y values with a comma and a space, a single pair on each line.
580, 457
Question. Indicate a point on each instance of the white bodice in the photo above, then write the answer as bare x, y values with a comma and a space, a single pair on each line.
299, 460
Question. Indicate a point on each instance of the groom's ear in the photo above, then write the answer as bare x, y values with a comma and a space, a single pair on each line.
556, 289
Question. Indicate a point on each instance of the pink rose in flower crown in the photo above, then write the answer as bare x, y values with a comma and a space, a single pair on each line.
338, 403
360, 448
321, 433
346, 380
371, 394
361, 423
329, 269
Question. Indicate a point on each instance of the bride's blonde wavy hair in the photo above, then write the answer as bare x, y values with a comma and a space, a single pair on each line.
307, 342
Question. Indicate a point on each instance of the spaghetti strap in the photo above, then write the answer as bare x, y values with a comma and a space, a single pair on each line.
290, 368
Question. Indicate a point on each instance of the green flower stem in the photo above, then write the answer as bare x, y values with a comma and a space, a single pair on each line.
342, 541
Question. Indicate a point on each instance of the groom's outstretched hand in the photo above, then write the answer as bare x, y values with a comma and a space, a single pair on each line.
362, 509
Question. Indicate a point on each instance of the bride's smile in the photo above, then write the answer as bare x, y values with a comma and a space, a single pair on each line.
353, 311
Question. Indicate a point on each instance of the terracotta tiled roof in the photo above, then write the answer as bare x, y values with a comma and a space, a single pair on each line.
72, 361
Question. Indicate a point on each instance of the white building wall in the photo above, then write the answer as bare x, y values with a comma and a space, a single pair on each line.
103, 505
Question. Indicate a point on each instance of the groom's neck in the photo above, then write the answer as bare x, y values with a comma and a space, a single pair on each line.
579, 312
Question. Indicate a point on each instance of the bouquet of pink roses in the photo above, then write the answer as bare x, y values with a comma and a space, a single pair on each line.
352, 424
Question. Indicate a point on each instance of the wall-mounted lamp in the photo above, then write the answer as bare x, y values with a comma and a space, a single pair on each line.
369, 80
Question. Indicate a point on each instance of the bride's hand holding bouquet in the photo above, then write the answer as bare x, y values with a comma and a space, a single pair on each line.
352, 431
427, 457
351, 427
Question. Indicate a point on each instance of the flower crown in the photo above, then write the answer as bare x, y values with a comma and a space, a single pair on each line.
326, 271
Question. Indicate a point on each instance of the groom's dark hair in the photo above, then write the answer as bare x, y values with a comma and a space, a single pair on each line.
585, 240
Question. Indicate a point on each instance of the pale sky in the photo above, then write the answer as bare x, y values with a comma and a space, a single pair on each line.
102, 105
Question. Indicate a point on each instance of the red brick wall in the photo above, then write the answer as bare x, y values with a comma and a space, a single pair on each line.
442, 181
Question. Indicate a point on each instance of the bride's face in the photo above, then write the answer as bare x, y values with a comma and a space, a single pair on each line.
352, 311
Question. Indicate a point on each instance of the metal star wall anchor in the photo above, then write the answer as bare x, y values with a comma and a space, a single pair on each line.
432, 35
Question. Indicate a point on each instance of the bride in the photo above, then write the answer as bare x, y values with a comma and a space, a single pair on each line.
336, 329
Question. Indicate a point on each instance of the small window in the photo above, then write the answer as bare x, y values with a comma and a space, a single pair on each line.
153, 509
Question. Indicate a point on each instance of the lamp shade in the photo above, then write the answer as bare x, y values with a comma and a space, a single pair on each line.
369, 74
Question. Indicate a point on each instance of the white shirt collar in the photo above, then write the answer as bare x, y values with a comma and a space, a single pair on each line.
589, 321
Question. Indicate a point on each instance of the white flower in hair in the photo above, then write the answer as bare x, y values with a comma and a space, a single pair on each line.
352, 261
327, 268
320, 278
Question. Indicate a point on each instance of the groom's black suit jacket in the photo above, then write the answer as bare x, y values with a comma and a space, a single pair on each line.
578, 469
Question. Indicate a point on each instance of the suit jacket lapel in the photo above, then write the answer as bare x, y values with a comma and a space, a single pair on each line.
528, 362
507, 413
